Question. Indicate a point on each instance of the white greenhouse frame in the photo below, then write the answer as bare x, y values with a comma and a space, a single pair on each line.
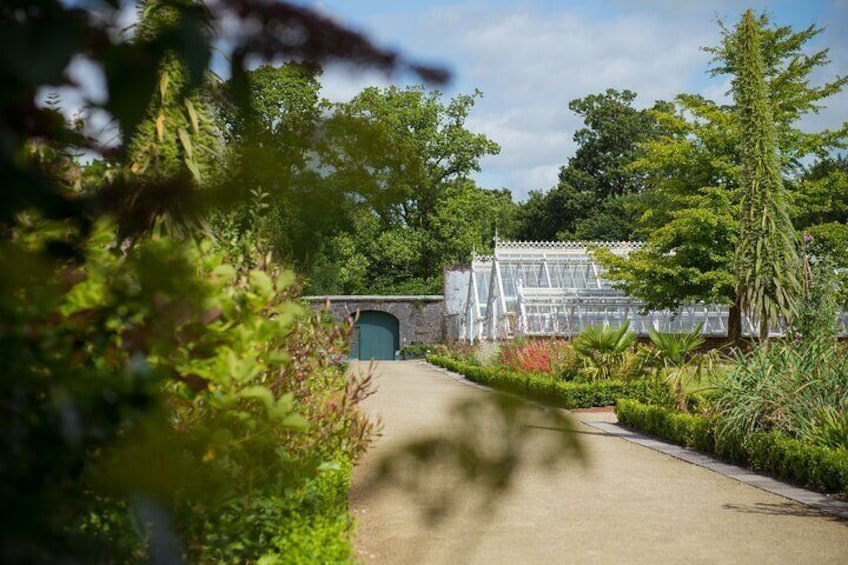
557, 289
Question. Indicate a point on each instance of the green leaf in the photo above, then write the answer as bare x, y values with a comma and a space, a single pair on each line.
164, 81
160, 126
192, 114
224, 271
262, 394
285, 403
329, 466
192, 166
185, 141
262, 284
295, 422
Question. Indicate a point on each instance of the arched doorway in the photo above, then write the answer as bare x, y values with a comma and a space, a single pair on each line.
376, 336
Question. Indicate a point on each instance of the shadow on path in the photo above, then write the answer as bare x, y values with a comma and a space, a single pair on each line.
781, 509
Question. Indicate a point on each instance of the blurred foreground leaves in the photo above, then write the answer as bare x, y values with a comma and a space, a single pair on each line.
156, 383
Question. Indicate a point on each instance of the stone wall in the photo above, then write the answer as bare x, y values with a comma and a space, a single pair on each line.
421, 317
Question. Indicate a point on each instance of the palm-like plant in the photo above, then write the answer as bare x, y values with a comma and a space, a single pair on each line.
678, 357
604, 348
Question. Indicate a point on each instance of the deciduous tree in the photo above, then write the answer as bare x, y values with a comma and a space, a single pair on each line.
691, 209
409, 156
592, 198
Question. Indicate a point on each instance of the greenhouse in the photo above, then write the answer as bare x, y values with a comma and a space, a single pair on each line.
557, 289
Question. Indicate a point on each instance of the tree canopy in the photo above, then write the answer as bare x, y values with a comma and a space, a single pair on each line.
691, 210
592, 199
410, 157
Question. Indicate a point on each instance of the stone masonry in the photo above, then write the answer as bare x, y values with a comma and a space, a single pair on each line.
421, 317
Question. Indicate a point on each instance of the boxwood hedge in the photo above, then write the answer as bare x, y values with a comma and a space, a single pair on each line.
773, 453
546, 389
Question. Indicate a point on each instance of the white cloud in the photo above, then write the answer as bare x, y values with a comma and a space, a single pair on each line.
341, 83
530, 62
834, 38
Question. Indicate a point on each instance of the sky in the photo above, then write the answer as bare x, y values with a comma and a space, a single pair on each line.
531, 57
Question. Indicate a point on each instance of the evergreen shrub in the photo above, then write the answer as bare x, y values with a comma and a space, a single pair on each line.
774, 453
546, 388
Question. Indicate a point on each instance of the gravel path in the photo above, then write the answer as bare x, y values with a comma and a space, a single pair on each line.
622, 503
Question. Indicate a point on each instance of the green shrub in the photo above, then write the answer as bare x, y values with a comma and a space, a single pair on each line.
702, 401
605, 349
784, 387
546, 388
817, 311
568, 365
831, 428
170, 352
684, 429
774, 453
635, 365
308, 524
415, 351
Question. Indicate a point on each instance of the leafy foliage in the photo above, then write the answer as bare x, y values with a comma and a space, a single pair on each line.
679, 357
689, 219
592, 200
604, 348
816, 317
124, 346
408, 155
280, 152
783, 388
547, 388
788, 63
178, 134
175, 356
829, 241
831, 428
131, 71
820, 195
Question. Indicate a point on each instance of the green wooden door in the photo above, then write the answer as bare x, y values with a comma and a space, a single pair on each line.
377, 336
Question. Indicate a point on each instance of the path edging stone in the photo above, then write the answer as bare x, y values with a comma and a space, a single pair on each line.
807, 497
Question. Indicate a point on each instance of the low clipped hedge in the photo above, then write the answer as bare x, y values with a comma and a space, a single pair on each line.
773, 453
545, 389
683, 429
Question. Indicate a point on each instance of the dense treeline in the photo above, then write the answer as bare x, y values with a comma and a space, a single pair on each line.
701, 173
668, 174
372, 195
375, 195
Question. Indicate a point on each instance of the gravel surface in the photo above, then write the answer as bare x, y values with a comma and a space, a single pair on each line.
620, 503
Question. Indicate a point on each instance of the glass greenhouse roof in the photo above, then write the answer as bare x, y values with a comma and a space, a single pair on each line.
556, 288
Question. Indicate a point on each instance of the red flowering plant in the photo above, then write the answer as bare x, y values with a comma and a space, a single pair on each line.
535, 356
